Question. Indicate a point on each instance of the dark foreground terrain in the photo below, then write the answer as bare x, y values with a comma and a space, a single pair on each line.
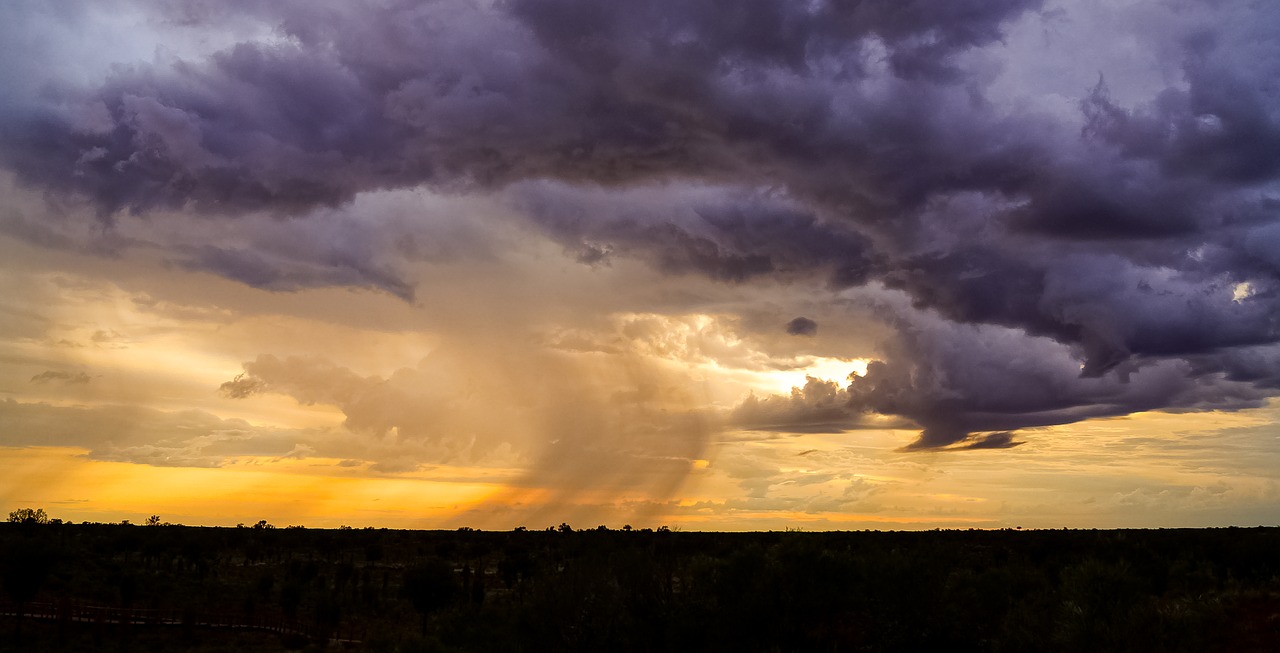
176, 588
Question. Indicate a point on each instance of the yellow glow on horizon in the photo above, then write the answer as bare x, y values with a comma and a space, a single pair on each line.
736, 519
75, 488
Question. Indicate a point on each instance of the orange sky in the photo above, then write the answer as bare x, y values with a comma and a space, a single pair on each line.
458, 263
498, 411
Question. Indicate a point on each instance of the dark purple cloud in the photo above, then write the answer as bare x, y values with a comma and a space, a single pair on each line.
956, 379
448, 93
731, 235
802, 326
1116, 261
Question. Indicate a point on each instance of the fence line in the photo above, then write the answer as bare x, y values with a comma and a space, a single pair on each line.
82, 612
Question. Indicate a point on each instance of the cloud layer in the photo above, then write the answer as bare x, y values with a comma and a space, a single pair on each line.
1045, 254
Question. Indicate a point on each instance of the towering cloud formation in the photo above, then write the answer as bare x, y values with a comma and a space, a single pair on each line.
1060, 258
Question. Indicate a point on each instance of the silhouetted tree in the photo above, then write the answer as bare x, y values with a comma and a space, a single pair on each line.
28, 516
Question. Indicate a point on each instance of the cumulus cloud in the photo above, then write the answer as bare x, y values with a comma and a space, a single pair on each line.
819, 405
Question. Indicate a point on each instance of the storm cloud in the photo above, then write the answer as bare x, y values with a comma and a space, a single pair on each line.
1043, 261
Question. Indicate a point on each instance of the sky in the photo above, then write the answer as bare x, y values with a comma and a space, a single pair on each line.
711, 264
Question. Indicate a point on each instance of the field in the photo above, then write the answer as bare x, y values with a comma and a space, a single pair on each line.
161, 588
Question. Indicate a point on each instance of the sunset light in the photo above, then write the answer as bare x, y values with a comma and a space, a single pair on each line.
456, 264
640, 325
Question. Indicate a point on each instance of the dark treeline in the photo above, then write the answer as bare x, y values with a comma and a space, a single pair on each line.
641, 590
